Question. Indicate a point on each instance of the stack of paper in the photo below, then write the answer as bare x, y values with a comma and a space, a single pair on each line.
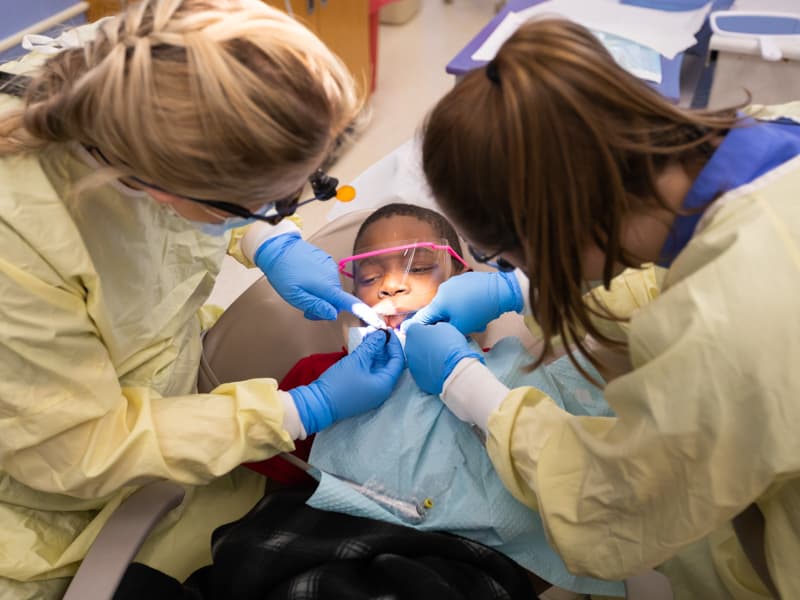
666, 32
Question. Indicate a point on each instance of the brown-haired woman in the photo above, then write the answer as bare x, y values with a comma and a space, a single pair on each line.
570, 169
230, 106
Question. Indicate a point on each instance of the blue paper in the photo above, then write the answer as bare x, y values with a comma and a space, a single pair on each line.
639, 60
669, 5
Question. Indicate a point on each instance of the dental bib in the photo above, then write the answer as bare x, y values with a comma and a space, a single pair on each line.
414, 449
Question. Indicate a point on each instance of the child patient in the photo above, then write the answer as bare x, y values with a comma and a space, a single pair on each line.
401, 254
412, 449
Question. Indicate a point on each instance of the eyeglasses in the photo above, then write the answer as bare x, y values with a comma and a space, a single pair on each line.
283, 208
501, 264
343, 264
323, 186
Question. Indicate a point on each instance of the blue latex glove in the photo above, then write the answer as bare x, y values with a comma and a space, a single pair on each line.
304, 276
470, 300
359, 382
433, 351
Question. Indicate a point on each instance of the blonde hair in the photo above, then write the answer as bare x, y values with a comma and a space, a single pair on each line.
224, 99
567, 145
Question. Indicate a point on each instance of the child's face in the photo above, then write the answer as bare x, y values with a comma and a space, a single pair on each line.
390, 283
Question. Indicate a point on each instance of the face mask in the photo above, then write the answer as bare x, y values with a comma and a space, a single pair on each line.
218, 229
213, 229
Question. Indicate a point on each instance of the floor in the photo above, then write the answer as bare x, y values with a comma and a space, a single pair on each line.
411, 77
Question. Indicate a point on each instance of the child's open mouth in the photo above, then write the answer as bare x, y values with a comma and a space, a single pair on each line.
393, 314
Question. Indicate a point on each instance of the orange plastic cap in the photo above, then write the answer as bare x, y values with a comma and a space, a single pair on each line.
346, 193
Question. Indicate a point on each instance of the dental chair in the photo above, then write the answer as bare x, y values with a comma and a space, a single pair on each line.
275, 342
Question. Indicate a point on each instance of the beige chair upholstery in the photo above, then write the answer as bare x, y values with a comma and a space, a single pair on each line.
650, 585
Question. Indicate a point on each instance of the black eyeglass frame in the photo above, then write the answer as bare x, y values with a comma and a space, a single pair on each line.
322, 185
236, 209
491, 260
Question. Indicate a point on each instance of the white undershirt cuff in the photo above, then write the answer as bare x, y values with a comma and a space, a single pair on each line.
291, 418
259, 232
525, 288
472, 392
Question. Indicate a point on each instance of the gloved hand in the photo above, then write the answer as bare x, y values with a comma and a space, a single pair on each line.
433, 351
470, 300
304, 276
359, 382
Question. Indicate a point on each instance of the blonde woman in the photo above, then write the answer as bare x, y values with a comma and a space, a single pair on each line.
574, 171
121, 169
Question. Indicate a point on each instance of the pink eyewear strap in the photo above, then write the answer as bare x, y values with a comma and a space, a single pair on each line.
343, 263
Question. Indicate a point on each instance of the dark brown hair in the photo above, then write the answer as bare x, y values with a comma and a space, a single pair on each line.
547, 152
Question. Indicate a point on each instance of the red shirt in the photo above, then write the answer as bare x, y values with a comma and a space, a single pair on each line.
305, 371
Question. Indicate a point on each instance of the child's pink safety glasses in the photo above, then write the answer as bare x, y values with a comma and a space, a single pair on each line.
429, 245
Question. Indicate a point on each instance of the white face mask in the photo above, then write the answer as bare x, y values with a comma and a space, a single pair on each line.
214, 229
218, 229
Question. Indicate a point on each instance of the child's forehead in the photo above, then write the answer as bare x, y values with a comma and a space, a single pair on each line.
397, 228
